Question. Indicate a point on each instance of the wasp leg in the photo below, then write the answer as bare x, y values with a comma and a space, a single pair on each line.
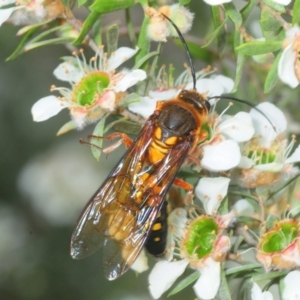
188, 199
125, 139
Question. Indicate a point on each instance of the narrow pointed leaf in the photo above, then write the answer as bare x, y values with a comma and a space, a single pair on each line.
296, 13
272, 76
184, 283
112, 37
97, 143
224, 292
233, 14
105, 6
87, 26
66, 128
259, 47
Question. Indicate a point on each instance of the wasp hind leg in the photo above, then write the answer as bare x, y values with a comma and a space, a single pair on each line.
188, 199
124, 139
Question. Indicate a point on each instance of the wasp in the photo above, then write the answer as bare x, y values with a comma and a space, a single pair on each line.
121, 213
128, 211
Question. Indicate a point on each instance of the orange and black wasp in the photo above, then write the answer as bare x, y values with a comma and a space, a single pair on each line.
121, 213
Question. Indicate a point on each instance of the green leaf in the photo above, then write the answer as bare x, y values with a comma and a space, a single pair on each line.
270, 275
96, 146
105, 6
270, 25
233, 14
247, 9
224, 292
25, 29
274, 5
20, 48
215, 33
96, 31
143, 43
60, 40
241, 269
112, 37
184, 283
127, 126
272, 76
184, 2
238, 39
259, 47
218, 18
66, 128
139, 64
87, 26
131, 98
81, 2
223, 209
296, 13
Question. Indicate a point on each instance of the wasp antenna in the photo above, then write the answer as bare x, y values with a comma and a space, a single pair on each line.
186, 49
247, 103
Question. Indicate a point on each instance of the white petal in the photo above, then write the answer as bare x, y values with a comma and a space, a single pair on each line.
163, 95
286, 67
208, 284
282, 2
271, 167
178, 219
6, 13
225, 81
222, 156
46, 108
6, 2
163, 275
292, 32
122, 54
216, 2
68, 72
263, 128
207, 86
238, 128
129, 80
295, 157
245, 163
211, 192
291, 288
243, 208
257, 294
141, 263
144, 108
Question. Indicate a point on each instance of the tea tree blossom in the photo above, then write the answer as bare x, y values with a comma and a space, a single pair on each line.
288, 67
96, 87
197, 241
267, 156
29, 12
160, 28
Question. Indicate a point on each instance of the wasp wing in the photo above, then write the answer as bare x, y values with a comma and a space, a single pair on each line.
121, 213
89, 232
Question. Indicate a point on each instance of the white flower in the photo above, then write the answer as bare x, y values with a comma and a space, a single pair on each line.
211, 192
257, 294
96, 87
141, 263
288, 67
213, 86
282, 2
243, 208
182, 230
29, 11
291, 287
216, 2
159, 28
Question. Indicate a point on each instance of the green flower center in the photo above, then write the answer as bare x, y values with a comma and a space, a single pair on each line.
90, 88
201, 237
262, 157
280, 237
